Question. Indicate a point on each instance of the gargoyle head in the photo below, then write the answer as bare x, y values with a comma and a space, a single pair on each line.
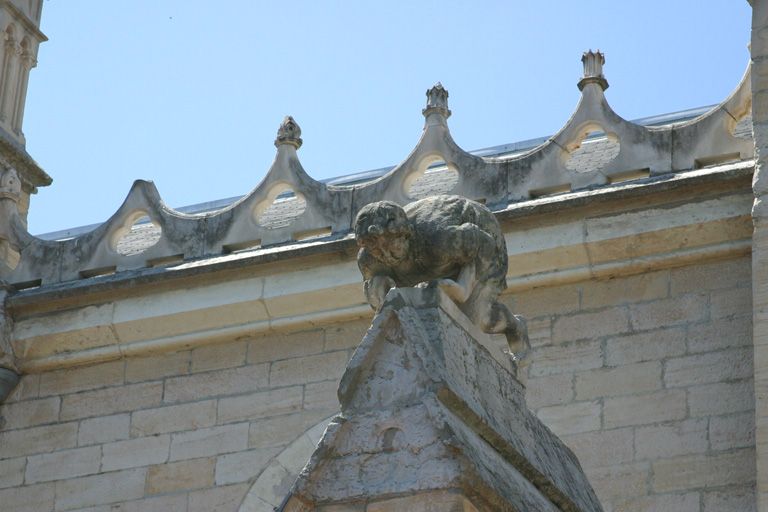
383, 229
289, 133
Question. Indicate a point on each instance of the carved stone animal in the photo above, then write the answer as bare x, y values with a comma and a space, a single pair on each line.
446, 241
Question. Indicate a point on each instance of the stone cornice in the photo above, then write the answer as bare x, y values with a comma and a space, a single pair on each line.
736, 175
662, 223
24, 20
16, 156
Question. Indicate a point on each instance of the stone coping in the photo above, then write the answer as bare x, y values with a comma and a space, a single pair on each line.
345, 246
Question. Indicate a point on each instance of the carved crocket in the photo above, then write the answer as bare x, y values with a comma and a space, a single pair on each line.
446, 241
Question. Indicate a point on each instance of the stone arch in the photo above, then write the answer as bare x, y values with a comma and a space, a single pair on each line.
274, 482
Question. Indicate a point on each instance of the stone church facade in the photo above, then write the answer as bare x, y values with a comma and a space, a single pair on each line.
192, 362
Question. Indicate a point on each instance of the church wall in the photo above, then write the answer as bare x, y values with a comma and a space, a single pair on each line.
180, 431
648, 378
647, 375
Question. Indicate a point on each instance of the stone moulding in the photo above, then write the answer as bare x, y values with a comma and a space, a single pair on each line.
628, 151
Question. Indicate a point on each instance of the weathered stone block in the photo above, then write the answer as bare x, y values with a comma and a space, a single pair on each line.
158, 366
274, 347
243, 466
619, 481
567, 358
739, 499
721, 398
258, 405
688, 502
735, 431
62, 382
174, 418
220, 499
219, 356
590, 325
547, 301
34, 440
29, 413
64, 464
282, 430
670, 440
603, 448
133, 453
322, 396
731, 303
724, 333
176, 503
294, 457
273, 484
646, 346
540, 331
678, 310
571, 418
551, 390
316, 368
32, 498
613, 292
347, 335
707, 368
690, 472
629, 379
224, 382
423, 502
12, 472
644, 409
712, 276
104, 429
100, 489
351, 507
209, 441
111, 400
181, 476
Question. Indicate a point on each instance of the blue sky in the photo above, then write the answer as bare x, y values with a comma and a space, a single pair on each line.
190, 93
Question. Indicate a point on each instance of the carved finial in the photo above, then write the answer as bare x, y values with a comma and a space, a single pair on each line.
10, 185
437, 101
593, 69
289, 133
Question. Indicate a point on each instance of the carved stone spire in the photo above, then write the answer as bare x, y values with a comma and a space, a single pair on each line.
437, 101
593, 69
289, 133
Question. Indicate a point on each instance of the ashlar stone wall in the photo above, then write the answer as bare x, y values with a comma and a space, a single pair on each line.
647, 377
186, 431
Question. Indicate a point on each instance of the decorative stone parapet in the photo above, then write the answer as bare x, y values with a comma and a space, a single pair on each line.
430, 408
561, 164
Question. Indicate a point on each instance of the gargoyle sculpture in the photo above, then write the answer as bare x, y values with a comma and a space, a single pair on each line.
446, 241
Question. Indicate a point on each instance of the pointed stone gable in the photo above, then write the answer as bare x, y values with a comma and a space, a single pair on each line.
434, 419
